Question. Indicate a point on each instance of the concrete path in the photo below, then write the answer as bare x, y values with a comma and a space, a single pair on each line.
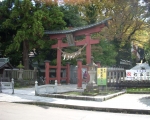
129, 103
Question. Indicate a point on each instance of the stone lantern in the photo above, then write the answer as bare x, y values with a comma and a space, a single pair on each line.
20, 66
92, 73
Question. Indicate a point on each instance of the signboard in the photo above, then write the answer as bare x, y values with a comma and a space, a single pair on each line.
101, 76
137, 74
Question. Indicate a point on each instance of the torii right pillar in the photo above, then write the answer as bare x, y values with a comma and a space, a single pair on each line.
88, 48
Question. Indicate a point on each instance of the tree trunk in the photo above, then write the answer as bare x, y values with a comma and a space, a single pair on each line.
25, 55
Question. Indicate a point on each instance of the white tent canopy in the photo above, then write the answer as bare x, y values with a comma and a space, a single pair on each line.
141, 66
139, 72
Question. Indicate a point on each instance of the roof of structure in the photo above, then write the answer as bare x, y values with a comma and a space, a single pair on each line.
4, 63
77, 28
141, 66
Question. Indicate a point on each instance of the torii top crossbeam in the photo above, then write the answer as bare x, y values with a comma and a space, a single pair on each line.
85, 30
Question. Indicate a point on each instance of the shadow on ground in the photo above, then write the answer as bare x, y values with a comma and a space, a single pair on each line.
145, 100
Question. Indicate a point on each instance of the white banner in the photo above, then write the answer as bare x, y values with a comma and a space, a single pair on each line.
137, 75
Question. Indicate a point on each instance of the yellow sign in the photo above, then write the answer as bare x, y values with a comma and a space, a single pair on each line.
101, 76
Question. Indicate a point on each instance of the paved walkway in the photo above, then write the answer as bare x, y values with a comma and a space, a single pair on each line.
130, 103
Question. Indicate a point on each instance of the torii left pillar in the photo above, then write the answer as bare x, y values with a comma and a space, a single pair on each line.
58, 45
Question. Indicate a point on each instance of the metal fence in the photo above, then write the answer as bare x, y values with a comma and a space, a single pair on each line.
115, 78
115, 75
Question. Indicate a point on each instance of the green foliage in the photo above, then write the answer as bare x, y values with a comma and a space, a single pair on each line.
91, 13
138, 90
72, 16
147, 52
105, 53
28, 21
94, 93
22, 26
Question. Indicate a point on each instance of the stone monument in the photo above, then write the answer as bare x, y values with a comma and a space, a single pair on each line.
20, 71
92, 86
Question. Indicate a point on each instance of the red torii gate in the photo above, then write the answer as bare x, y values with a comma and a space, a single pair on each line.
59, 35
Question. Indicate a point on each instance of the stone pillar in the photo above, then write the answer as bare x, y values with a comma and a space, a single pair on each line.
0, 86
12, 81
55, 88
58, 72
68, 73
20, 74
47, 67
98, 66
92, 77
36, 88
79, 73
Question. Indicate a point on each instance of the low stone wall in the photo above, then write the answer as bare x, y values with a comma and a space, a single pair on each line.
48, 88
7, 85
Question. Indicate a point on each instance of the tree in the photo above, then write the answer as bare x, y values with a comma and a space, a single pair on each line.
90, 13
72, 16
105, 53
29, 21
6, 34
126, 22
